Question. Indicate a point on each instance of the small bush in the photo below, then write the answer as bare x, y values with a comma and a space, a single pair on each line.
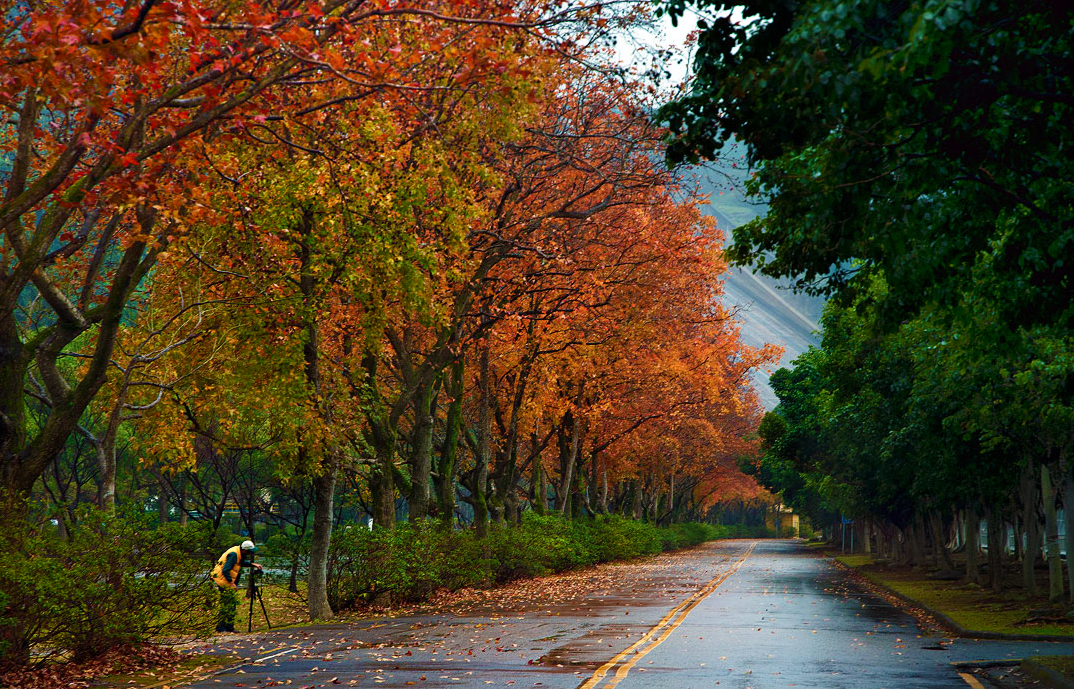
409, 562
114, 581
619, 538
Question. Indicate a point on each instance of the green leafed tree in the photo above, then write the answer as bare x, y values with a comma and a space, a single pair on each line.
916, 139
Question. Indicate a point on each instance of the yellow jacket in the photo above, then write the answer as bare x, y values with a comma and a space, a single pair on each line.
230, 576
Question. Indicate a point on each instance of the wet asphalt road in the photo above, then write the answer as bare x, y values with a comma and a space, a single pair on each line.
739, 614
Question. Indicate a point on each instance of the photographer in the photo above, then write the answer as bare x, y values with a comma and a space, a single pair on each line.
226, 574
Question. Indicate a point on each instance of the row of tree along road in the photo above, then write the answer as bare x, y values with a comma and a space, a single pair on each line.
917, 162
303, 263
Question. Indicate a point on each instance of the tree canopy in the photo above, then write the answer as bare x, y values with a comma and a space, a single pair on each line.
920, 140
916, 160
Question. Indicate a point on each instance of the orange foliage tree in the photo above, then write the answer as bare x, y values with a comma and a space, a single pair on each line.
424, 243
332, 224
106, 107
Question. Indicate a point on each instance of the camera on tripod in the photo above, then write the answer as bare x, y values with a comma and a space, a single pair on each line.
251, 583
253, 592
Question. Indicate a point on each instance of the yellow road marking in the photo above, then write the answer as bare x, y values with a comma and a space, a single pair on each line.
971, 680
673, 619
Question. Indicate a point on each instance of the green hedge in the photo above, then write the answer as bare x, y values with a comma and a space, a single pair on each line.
417, 558
113, 581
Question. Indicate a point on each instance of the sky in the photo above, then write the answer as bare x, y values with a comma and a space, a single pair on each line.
767, 311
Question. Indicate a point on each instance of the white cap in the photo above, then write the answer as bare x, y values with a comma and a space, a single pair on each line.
248, 545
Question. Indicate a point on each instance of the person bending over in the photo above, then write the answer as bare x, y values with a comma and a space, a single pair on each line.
226, 575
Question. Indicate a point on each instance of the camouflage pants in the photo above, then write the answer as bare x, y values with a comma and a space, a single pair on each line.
229, 604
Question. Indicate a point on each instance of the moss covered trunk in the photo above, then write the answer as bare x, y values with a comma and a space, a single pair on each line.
1049, 491
421, 456
1031, 547
447, 466
480, 475
973, 545
1068, 513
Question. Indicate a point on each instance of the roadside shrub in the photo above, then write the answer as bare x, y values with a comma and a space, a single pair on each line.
417, 558
689, 534
743, 531
619, 538
113, 581
515, 553
540, 545
409, 562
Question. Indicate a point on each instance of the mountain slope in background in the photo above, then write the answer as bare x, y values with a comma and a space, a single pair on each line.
766, 309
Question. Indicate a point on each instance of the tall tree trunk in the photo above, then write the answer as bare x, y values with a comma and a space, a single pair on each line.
940, 540
296, 550
603, 503
324, 480
537, 488
1028, 494
324, 487
382, 485
447, 467
569, 455
542, 486
593, 482
652, 511
479, 484
180, 494
997, 544
567, 446
506, 471
162, 504
579, 500
511, 505
900, 546
916, 539
382, 436
421, 458
973, 545
12, 398
106, 464
1048, 491
505, 479
479, 500
1068, 514
668, 514
292, 579
106, 455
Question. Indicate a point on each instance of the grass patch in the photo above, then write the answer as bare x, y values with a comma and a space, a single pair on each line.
285, 608
1064, 665
971, 606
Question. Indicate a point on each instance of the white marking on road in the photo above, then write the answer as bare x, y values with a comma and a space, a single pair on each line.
274, 655
222, 670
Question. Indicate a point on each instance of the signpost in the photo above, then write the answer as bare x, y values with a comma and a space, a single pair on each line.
845, 523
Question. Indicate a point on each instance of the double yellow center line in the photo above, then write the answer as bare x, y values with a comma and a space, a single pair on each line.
661, 631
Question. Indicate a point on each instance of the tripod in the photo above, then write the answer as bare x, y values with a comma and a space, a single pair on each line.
254, 591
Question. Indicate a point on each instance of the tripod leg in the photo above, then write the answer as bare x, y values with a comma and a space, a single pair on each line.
264, 612
250, 616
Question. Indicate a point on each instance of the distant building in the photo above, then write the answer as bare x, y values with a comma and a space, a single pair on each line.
783, 521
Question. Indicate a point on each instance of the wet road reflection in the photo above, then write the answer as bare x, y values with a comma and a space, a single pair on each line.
740, 614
